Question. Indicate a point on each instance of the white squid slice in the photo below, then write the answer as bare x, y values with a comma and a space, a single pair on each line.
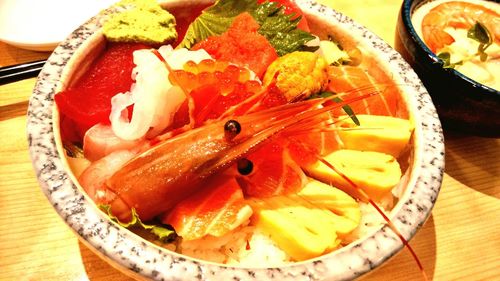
154, 98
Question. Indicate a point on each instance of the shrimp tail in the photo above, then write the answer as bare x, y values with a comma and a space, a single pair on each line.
456, 14
437, 39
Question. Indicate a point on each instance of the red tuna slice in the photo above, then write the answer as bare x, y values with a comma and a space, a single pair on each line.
353, 81
241, 44
290, 7
88, 102
72, 131
274, 172
215, 210
100, 140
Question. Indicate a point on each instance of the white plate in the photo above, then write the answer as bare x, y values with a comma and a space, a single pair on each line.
40, 25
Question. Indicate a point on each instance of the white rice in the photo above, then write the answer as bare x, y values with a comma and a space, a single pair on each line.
231, 249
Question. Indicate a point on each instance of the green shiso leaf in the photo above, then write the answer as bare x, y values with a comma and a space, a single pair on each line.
321, 95
481, 34
163, 233
215, 20
279, 29
446, 58
347, 109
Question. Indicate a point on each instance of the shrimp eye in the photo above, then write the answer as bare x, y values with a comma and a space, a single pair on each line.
232, 128
245, 166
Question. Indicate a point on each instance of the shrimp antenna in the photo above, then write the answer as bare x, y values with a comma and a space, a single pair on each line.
379, 210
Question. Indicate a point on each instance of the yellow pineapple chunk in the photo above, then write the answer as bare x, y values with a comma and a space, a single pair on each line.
384, 134
374, 172
309, 223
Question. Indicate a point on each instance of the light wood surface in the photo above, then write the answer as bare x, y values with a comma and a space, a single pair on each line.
460, 241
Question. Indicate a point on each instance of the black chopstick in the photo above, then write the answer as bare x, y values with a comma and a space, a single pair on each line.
13, 73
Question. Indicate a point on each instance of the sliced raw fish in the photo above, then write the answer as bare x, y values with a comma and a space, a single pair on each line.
215, 209
353, 81
274, 172
100, 140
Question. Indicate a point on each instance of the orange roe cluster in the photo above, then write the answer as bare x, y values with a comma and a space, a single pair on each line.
208, 72
213, 87
241, 44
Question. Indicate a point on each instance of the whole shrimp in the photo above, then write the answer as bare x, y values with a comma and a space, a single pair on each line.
154, 181
456, 14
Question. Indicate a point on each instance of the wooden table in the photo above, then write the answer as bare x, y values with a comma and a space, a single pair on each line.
460, 241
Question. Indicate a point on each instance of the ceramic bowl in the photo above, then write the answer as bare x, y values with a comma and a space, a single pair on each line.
142, 259
462, 103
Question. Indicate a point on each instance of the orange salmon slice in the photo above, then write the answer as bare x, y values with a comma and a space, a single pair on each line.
274, 172
316, 139
354, 81
216, 209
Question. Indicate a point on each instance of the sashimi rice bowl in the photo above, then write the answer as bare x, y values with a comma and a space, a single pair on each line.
236, 139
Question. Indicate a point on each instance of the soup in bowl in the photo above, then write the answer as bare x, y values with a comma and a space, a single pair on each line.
453, 48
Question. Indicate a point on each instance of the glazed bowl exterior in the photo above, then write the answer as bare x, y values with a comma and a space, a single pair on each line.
462, 103
144, 260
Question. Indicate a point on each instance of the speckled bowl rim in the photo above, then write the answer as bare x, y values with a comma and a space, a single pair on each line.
406, 14
128, 251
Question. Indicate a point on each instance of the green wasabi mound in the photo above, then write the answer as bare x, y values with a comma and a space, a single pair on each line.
145, 23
